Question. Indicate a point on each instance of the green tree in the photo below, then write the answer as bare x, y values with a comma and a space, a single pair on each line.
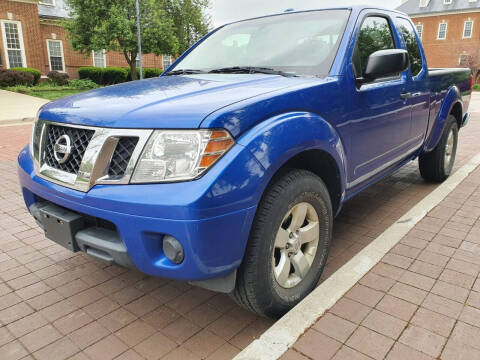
111, 25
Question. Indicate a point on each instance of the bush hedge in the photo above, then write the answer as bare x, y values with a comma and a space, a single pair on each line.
14, 78
58, 78
36, 73
113, 75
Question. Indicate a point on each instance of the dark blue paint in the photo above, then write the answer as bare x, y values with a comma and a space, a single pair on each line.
368, 132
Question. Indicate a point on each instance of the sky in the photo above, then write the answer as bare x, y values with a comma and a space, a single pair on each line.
224, 11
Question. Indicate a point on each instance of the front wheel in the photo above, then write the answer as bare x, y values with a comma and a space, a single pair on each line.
437, 165
288, 245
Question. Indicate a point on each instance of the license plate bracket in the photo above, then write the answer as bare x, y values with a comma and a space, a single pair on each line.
61, 225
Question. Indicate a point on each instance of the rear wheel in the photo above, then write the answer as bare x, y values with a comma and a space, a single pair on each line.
437, 164
288, 245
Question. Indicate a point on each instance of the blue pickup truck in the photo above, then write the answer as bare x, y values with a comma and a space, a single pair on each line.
228, 170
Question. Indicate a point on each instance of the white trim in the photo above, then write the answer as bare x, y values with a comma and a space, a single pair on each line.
447, 2
104, 57
47, 4
438, 31
273, 343
20, 37
444, 13
63, 57
419, 33
464, 28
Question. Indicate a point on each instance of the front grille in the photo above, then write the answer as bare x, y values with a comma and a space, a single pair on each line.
80, 138
121, 156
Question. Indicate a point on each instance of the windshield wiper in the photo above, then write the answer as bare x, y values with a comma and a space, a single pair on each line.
185, 72
250, 70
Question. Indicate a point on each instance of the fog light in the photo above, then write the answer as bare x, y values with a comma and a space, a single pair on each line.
172, 249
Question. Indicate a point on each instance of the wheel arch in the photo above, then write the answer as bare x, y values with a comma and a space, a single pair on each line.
299, 141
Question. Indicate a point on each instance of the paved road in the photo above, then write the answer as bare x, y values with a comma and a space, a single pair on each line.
16, 107
57, 305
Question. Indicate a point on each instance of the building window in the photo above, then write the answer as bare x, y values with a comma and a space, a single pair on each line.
55, 55
442, 31
13, 40
166, 61
419, 28
424, 3
468, 29
447, 2
99, 58
48, 2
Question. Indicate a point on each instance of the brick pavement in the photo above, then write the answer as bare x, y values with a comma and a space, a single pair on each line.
58, 305
422, 301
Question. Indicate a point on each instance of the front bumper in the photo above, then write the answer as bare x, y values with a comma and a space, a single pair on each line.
211, 216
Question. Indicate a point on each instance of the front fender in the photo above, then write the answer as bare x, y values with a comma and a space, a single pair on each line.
452, 97
276, 140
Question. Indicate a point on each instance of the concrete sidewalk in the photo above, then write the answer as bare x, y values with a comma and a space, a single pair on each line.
15, 107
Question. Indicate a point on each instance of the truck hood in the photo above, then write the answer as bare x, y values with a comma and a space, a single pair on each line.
163, 102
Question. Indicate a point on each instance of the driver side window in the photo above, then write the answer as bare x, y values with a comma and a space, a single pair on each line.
375, 34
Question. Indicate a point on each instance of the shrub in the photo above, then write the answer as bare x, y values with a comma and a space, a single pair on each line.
13, 78
58, 78
91, 72
147, 73
36, 73
114, 75
82, 84
151, 72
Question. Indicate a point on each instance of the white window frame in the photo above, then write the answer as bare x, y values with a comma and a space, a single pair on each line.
465, 28
47, 4
420, 33
63, 55
104, 57
446, 29
171, 61
447, 2
20, 36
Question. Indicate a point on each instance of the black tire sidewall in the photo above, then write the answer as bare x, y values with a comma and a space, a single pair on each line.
308, 189
452, 124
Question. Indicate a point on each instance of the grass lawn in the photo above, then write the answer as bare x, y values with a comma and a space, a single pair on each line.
54, 94
49, 91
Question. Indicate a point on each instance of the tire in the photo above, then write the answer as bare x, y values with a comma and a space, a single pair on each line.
437, 165
262, 287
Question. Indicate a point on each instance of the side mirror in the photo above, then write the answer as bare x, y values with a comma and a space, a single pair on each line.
384, 63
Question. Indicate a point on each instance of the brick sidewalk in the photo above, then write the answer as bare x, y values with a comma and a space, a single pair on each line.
422, 301
58, 305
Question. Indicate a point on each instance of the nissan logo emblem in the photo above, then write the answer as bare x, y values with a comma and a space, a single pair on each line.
62, 149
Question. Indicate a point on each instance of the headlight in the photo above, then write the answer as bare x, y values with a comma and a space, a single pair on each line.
176, 155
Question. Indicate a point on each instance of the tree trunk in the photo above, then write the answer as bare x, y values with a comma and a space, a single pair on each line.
133, 69
132, 63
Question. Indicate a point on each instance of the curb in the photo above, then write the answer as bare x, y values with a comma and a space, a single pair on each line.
273, 343
16, 121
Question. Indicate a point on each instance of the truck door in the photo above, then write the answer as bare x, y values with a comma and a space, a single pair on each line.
417, 85
379, 121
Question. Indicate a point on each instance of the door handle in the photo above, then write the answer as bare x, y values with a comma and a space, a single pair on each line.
406, 95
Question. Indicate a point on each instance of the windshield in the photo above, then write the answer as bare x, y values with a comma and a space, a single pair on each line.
299, 43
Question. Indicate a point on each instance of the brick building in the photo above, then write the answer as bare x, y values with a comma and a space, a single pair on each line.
450, 31
31, 35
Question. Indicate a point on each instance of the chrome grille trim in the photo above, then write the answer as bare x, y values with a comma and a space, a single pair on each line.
96, 159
